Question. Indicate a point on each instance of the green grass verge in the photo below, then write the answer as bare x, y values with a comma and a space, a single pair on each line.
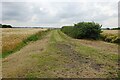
34, 37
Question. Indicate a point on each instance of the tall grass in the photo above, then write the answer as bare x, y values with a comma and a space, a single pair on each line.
34, 37
110, 37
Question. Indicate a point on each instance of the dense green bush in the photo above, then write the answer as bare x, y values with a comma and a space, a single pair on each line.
81, 30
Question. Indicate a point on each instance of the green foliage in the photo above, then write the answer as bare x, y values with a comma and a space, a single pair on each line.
33, 37
89, 30
116, 28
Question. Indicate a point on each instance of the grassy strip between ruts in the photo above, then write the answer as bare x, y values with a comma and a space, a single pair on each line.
34, 37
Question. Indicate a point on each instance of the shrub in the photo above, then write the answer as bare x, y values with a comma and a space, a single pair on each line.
80, 30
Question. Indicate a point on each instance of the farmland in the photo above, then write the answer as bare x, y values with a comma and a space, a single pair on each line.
111, 32
110, 36
11, 38
58, 55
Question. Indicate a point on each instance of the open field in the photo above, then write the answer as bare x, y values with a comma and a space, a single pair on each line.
111, 31
11, 37
57, 55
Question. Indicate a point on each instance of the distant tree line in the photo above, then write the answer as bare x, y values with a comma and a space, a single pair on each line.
116, 28
88, 30
111, 28
5, 26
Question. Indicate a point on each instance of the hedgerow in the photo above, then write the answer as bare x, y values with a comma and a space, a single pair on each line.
87, 30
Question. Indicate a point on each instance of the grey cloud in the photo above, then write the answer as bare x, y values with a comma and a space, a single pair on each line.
18, 11
57, 13
0, 12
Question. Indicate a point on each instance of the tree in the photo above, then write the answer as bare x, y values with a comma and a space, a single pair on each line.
116, 28
6, 26
107, 28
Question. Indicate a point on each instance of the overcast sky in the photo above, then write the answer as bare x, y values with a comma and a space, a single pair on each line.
58, 13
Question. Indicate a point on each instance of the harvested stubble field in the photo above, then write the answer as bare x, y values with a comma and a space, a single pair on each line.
11, 37
111, 31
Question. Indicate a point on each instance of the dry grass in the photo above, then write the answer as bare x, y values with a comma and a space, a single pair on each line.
101, 45
111, 31
59, 56
12, 37
22, 59
110, 36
